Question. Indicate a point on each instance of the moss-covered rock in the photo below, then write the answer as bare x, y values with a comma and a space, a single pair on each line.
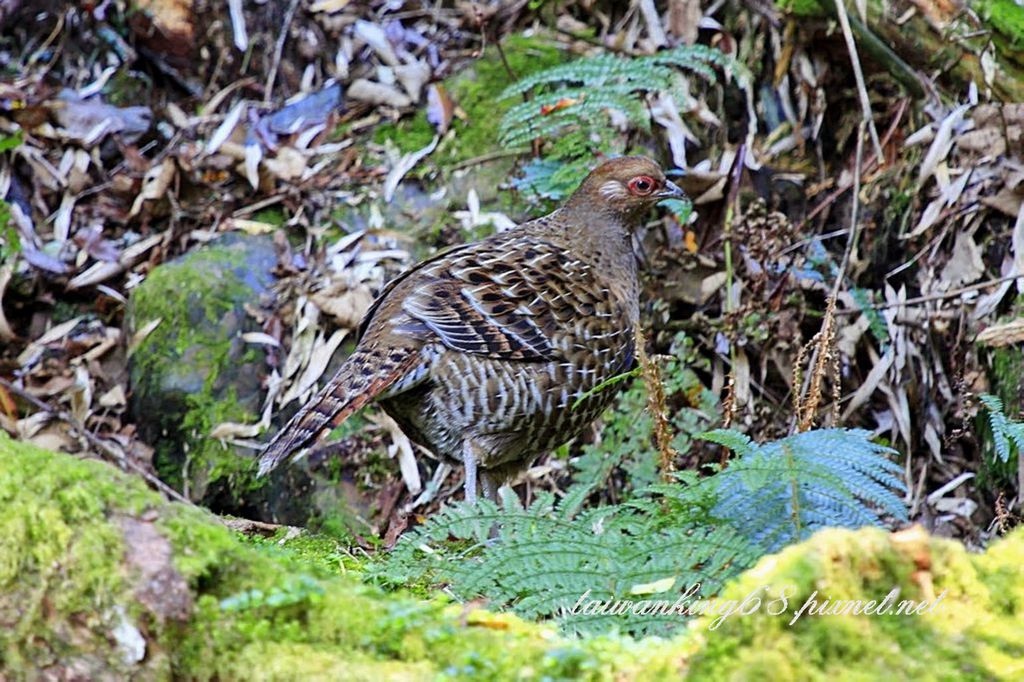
936, 612
73, 601
102, 579
193, 371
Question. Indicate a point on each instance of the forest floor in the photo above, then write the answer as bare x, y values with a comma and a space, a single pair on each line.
887, 182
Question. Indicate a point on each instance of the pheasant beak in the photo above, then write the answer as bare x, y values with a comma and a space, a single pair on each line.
671, 191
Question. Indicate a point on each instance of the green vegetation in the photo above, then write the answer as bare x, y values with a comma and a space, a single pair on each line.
1000, 433
664, 539
802, 8
65, 588
10, 240
968, 628
1007, 18
477, 91
1007, 434
70, 599
626, 459
569, 107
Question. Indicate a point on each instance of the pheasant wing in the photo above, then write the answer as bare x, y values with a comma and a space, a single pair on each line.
513, 301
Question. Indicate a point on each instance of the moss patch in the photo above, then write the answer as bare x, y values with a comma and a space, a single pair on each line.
801, 8
254, 614
476, 90
290, 613
189, 371
1008, 368
972, 633
1007, 18
61, 578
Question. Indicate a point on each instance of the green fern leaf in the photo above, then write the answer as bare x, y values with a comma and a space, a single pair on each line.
1007, 435
781, 492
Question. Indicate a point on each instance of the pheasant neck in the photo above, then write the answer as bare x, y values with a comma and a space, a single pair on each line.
599, 235
603, 239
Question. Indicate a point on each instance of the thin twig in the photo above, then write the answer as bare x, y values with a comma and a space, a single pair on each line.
268, 89
879, 51
504, 62
953, 293
858, 75
854, 235
485, 158
731, 205
96, 442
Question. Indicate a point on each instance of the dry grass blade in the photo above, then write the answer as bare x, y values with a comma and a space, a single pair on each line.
656, 404
822, 357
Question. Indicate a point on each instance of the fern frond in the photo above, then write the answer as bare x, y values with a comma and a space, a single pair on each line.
595, 72
526, 121
734, 440
665, 538
1005, 432
783, 491
551, 554
579, 94
698, 59
876, 323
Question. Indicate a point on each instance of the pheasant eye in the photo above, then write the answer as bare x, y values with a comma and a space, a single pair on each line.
642, 185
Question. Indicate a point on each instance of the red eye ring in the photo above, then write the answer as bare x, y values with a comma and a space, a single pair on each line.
642, 185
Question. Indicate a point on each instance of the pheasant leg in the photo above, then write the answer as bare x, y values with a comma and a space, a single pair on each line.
489, 485
469, 462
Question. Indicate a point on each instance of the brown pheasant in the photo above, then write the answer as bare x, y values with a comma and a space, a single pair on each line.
482, 352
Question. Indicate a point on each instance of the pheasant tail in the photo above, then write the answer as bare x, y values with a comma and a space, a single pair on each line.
363, 377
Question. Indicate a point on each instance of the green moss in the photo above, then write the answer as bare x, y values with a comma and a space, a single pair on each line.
288, 614
801, 8
272, 215
177, 370
128, 88
1008, 376
254, 615
476, 91
1007, 18
949, 642
323, 555
408, 135
183, 295
60, 573
10, 240
211, 458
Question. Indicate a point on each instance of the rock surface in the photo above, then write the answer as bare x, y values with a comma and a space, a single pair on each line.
193, 371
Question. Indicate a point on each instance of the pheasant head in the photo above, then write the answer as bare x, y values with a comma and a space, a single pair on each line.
626, 188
